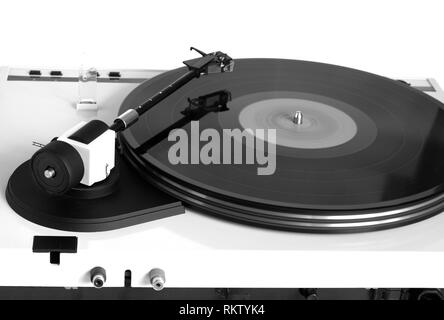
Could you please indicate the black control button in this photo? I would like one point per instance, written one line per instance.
(114, 75)
(35, 73)
(56, 73)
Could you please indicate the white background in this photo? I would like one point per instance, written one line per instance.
(394, 38)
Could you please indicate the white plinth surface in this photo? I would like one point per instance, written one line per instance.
(194, 250)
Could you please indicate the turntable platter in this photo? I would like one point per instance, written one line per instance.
(353, 151)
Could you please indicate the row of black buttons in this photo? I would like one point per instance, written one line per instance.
(57, 73)
(38, 73)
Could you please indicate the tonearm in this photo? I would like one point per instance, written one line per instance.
(85, 154)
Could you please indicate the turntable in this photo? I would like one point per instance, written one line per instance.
(325, 166)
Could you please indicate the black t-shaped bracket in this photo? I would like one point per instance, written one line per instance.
(55, 246)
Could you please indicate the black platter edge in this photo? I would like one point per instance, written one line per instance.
(286, 219)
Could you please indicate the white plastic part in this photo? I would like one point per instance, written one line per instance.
(87, 105)
(87, 89)
(98, 156)
(191, 244)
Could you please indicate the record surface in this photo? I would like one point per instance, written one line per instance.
(367, 154)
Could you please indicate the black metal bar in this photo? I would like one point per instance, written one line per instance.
(218, 60)
(158, 97)
(120, 125)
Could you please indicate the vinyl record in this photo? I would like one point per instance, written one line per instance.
(353, 151)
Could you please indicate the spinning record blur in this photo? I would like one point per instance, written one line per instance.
(354, 151)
